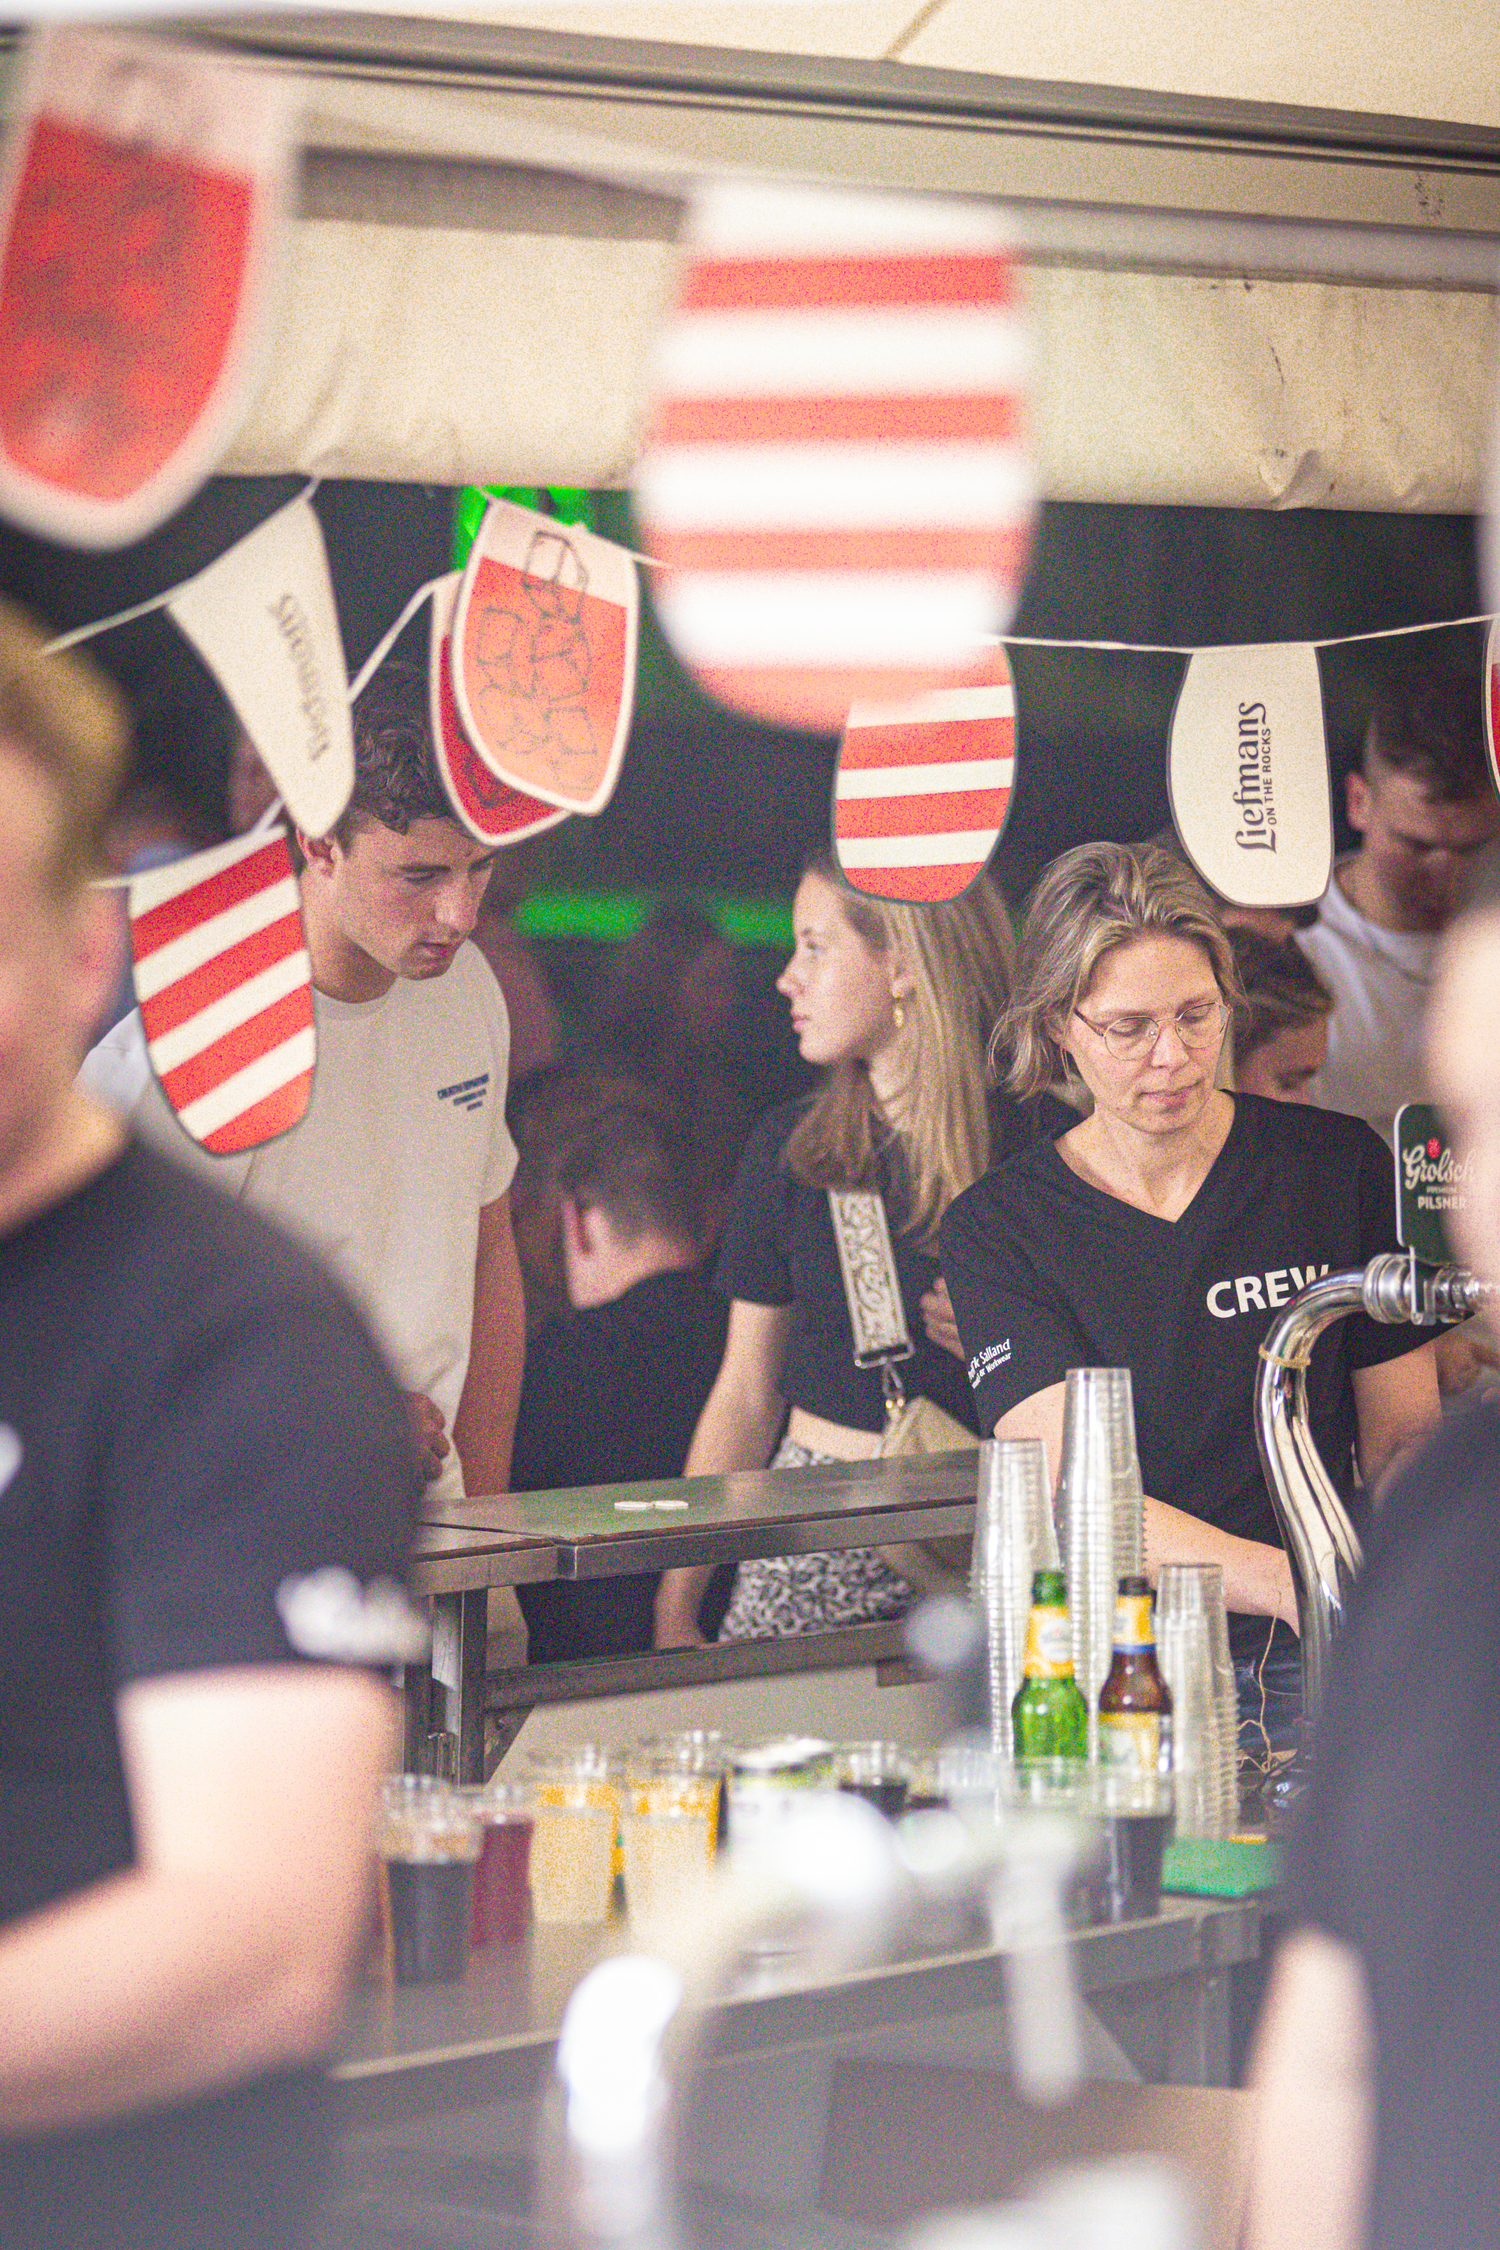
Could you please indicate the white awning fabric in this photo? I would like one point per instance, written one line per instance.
(1233, 307)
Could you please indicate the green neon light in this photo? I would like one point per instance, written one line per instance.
(568, 503)
(608, 917)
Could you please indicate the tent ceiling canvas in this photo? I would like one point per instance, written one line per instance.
(1235, 304)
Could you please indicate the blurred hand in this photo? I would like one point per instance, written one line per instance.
(428, 1435)
(1467, 1355)
(938, 1320)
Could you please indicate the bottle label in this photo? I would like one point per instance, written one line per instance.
(1130, 1741)
(1049, 1646)
(1133, 1621)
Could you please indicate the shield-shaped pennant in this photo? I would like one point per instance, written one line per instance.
(838, 480)
(142, 190)
(225, 990)
(544, 641)
(1491, 692)
(491, 810)
(923, 787)
(263, 619)
(1247, 773)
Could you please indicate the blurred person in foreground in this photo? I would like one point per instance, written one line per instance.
(615, 1384)
(206, 1494)
(1279, 1024)
(895, 1003)
(399, 1173)
(1424, 807)
(1378, 2068)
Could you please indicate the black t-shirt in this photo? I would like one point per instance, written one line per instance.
(778, 1248)
(191, 1417)
(612, 1395)
(1396, 1851)
(1047, 1273)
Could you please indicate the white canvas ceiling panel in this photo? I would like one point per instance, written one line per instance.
(440, 355)
(448, 355)
(1399, 58)
(865, 29)
(1255, 394)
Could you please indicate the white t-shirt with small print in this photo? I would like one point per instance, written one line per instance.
(403, 1143)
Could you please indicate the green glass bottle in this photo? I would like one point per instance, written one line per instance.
(1049, 1718)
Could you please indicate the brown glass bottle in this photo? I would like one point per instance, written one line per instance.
(1135, 1707)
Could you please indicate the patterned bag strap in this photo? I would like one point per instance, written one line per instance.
(872, 1288)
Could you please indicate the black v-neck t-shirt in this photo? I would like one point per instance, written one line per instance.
(1048, 1272)
(778, 1248)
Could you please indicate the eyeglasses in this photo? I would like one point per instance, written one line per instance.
(1130, 1038)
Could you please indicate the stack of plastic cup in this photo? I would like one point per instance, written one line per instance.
(1227, 1697)
(1130, 1505)
(1014, 1536)
(1187, 1598)
(1086, 1508)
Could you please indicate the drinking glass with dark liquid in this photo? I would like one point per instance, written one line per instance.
(880, 1772)
(429, 1844)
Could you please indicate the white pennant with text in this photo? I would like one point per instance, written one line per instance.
(263, 619)
(1247, 772)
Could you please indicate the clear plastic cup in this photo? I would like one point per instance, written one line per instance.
(668, 1828)
(506, 1810)
(575, 1822)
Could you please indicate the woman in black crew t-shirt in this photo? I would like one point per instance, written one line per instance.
(1165, 1231)
(896, 1003)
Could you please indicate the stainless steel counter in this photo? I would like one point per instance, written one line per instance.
(1162, 1985)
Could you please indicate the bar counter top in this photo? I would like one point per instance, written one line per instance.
(418, 2049)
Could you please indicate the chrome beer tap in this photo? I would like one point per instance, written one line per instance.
(1322, 1544)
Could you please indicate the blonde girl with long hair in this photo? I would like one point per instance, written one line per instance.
(895, 1003)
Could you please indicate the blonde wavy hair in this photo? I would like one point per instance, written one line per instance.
(1088, 903)
(958, 956)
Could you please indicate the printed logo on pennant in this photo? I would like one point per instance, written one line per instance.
(838, 480)
(544, 642)
(142, 189)
(263, 619)
(1491, 693)
(491, 810)
(923, 787)
(1247, 772)
(225, 990)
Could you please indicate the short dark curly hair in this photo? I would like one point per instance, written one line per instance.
(396, 778)
(1430, 725)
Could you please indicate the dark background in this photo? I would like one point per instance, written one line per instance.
(708, 801)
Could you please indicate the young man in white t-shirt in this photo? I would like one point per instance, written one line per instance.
(1424, 807)
(399, 1174)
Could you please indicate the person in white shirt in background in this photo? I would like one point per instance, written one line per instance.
(399, 1174)
(1424, 806)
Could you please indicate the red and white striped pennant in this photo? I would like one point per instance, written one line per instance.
(838, 481)
(225, 990)
(490, 809)
(923, 788)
